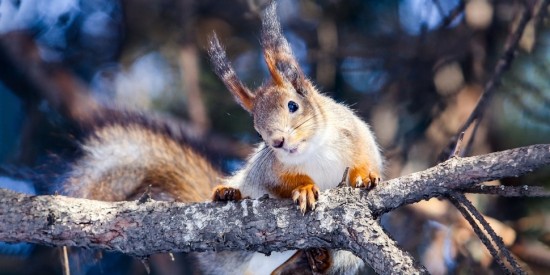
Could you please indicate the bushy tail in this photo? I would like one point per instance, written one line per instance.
(124, 153)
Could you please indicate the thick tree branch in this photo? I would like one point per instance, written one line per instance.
(143, 228)
(343, 218)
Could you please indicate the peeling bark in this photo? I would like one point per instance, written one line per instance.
(343, 218)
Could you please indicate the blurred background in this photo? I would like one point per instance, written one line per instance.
(413, 69)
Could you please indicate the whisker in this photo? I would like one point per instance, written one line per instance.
(266, 156)
(258, 152)
(303, 122)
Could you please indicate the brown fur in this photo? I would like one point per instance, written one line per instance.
(297, 264)
(307, 146)
(123, 153)
(173, 168)
(319, 259)
(224, 193)
(308, 261)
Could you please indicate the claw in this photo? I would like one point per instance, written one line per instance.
(362, 178)
(306, 197)
(225, 193)
(374, 180)
(295, 196)
(311, 200)
(303, 201)
(359, 182)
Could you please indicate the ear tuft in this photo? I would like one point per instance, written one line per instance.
(224, 70)
(280, 61)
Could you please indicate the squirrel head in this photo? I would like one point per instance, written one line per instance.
(283, 110)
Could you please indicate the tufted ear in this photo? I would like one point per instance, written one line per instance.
(280, 61)
(224, 70)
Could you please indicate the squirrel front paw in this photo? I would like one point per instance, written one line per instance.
(226, 193)
(306, 196)
(360, 177)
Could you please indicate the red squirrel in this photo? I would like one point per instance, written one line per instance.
(309, 141)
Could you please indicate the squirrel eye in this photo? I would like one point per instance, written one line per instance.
(292, 106)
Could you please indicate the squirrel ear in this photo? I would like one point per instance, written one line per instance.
(280, 61)
(224, 70)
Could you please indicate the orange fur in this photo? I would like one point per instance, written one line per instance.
(300, 187)
(290, 182)
(370, 178)
(317, 141)
(240, 91)
(271, 62)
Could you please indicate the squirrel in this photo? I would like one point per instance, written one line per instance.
(309, 141)
(124, 155)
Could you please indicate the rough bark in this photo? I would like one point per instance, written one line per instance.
(457, 173)
(343, 219)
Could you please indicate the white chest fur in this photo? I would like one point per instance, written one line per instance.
(325, 167)
(322, 160)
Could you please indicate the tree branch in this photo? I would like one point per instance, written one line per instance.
(343, 218)
(509, 191)
(141, 229)
(457, 173)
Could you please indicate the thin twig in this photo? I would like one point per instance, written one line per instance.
(453, 14)
(496, 238)
(454, 199)
(468, 147)
(464, 202)
(509, 191)
(456, 151)
(146, 264)
(502, 65)
(65, 261)
(344, 178)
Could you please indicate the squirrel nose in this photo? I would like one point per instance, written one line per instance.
(278, 142)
